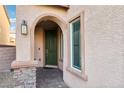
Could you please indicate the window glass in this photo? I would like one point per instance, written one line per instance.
(76, 44)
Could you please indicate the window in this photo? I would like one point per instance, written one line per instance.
(75, 43)
(76, 66)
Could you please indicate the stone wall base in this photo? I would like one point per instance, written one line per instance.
(25, 77)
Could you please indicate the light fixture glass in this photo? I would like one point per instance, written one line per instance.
(24, 28)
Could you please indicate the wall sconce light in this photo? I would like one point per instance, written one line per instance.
(24, 28)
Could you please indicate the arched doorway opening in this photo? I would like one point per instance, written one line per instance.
(48, 44)
(47, 23)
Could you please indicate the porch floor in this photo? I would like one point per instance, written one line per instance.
(49, 78)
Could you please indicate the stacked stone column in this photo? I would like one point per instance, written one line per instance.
(25, 77)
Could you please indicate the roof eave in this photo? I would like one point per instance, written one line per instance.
(64, 6)
(6, 13)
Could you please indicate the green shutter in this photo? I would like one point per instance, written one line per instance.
(76, 44)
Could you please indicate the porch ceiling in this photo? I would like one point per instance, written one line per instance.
(48, 25)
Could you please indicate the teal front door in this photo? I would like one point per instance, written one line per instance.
(51, 48)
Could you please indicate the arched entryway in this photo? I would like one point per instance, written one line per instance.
(48, 44)
(61, 24)
(48, 49)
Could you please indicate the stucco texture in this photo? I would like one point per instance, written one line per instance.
(32, 15)
(104, 46)
(103, 49)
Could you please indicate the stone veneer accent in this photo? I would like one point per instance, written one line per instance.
(25, 77)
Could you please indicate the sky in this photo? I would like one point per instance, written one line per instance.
(11, 10)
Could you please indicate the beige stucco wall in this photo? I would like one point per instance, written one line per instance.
(39, 43)
(103, 34)
(104, 46)
(4, 27)
(60, 62)
(31, 15)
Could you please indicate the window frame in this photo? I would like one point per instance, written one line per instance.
(72, 46)
(78, 73)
